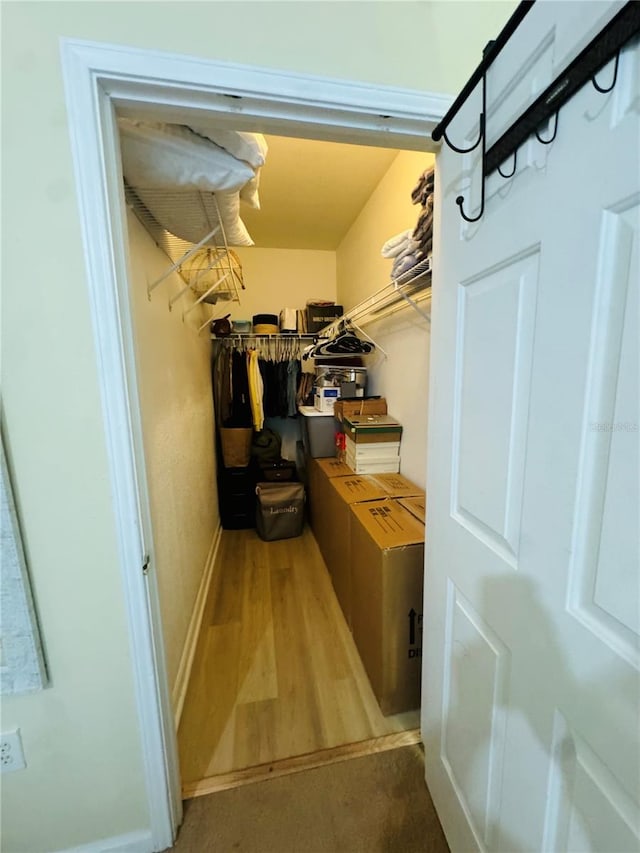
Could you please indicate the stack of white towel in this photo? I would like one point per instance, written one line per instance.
(404, 250)
(409, 248)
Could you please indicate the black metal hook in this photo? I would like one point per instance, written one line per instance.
(483, 139)
(515, 163)
(613, 82)
(475, 144)
(552, 137)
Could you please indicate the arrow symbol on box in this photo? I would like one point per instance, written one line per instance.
(412, 627)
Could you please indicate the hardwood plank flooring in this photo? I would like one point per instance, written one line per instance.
(276, 674)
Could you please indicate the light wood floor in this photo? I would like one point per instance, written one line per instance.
(276, 673)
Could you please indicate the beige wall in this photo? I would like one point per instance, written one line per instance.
(403, 376)
(283, 278)
(84, 777)
(174, 383)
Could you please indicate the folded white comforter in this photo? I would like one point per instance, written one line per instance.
(168, 165)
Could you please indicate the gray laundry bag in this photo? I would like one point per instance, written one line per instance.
(279, 510)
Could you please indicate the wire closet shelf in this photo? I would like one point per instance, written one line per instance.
(209, 268)
(412, 288)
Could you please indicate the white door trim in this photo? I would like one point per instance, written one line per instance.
(98, 78)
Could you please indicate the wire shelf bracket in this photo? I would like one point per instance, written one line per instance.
(197, 213)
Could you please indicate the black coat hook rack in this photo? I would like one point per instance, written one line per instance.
(604, 47)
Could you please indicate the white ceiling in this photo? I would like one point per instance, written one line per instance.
(311, 192)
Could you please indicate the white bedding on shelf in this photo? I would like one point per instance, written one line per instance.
(250, 147)
(191, 216)
(174, 172)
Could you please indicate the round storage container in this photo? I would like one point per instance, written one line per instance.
(265, 324)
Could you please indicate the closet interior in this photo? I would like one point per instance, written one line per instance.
(280, 296)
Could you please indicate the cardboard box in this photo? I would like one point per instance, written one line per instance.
(347, 408)
(319, 316)
(387, 563)
(336, 539)
(397, 486)
(417, 506)
(372, 428)
(319, 473)
(334, 467)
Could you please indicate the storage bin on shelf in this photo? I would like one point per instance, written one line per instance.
(318, 432)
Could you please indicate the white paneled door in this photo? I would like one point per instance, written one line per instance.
(531, 655)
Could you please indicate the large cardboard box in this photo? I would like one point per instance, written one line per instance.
(387, 562)
(397, 486)
(417, 506)
(319, 472)
(336, 547)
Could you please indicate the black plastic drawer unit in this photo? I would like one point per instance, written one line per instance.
(237, 498)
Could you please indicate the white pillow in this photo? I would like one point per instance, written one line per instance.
(249, 192)
(250, 147)
(168, 156)
(235, 229)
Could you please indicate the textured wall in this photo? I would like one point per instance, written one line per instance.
(283, 278)
(174, 382)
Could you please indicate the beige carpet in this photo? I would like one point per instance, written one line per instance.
(375, 804)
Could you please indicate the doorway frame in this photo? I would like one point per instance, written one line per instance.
(98, 80)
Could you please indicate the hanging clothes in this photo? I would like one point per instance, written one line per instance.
(293, 374)
(241, 415)
(266, 379)
(221, 376)
(269, 371)
(256, 390)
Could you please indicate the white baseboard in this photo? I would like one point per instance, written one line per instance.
(131, 842)
(186, 661)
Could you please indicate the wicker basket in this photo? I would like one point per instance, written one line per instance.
(210, 266)
(236, 446)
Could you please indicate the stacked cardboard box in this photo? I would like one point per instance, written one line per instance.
(344, 493)
(319, 473)
(417, 506)
(370, 530)
(372, 443)
(387, 567)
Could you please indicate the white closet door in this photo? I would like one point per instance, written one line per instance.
(531, 656)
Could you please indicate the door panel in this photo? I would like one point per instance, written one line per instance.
(477, 668)
(530, 689)
(496, 312)
(582, 789)
(606, 552)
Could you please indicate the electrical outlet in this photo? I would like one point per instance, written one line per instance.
(11, 754)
